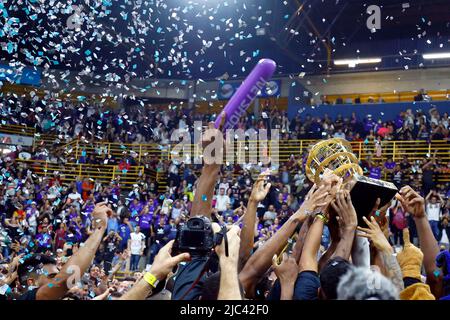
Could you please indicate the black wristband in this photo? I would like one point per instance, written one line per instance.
(408, 281)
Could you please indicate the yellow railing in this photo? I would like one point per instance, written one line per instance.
(17, 129)
(106, 173)
(100, 149)
(415, 150)
(286, 148)
(70, 171)
(38, 138)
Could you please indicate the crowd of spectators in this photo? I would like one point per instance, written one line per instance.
(56, 218)
(95, 122)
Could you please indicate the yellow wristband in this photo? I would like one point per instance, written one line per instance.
(151, 279)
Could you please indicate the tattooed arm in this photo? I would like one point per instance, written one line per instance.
(379, 241)
(394, 272)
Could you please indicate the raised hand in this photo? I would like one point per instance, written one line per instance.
(208, 139)
(380, 213)
(164, 262)
(234, 242)
(375, 235)
(411, 202)
(343, 206)
(315, 200)
(260, 191)
(287, 270)
(100, 215)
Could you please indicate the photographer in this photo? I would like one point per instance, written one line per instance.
(111, 243)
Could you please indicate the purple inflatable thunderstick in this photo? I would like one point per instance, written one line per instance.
(247, 92)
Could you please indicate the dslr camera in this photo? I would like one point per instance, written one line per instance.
(197, 237)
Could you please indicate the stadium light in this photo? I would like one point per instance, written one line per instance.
(353, 62)
(444, 55)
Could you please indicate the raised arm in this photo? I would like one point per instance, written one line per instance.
(381, 244)
(80, 261)
(206, 183)
(229, 281)
(259, 192)
(261, 260)
(308, 259)
(441, 201)
(427, 198)
(348, 222)
(298, 246)
(287, 272)
(161, 267)
(122, 258)
(413, 203)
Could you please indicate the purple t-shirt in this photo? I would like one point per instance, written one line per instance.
(145, 221)
(135, 209)
(390, 165)
(375, 173)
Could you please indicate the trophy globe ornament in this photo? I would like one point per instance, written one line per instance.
(333, 154)
(337, 156)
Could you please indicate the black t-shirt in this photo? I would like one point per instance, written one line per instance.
(405, 165)
(427, 176)
(161, 232)
(186, 276)
(29, 295)
(111, 245)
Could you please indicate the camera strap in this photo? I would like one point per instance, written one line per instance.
(225, 238)
(206, 267)
(197, 280)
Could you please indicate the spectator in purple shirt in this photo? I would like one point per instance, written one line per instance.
(375, 172)
(136, 207)
(44, 240)
(390, 164)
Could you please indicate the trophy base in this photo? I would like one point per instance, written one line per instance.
(365, 192)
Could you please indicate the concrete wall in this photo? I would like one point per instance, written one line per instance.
(364, 82)
(382, 81)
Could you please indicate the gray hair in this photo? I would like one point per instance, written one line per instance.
(360, 283)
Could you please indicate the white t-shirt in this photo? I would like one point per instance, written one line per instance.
(433, 211)
(224, 185)
(74, 196)
(32, 220)
(136, 242)
(221, 202)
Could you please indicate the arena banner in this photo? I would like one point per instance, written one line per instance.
(28, 76)
(227, 89)
(13, 139)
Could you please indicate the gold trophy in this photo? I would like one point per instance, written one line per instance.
(337, 155)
